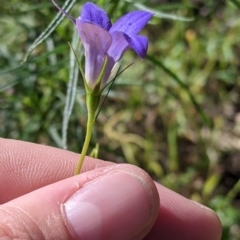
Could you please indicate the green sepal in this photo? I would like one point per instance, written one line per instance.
(110, 84)
(93, 95)
(97, 88)
(92, 101)
(79, 65)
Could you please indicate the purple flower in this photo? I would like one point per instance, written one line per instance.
(103, 41)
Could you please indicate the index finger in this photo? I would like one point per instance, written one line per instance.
(25, 167)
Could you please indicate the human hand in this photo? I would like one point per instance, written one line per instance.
(42, 200)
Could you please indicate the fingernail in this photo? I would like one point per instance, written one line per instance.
(114, 206)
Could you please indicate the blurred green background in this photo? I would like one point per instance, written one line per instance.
(176, 114)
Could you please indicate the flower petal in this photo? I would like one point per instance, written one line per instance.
(131, 23)
(93, 14)
(139, 44)
(118, 47)
(96, 42)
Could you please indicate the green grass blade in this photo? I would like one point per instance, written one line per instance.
(7, 85)
(184, 86)
(51, 27)
(71, 90)
(235, 2)
(161, 14)
(55, 135)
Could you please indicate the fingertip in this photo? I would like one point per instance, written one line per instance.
(214, 228)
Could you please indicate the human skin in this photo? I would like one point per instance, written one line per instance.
(38, 193)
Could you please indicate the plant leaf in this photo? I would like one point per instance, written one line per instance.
(51, 27)
(71, 89)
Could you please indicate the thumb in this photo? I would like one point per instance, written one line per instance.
(114, 202)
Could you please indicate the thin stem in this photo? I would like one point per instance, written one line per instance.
(92, 101)
(64, 12)
(90, 123)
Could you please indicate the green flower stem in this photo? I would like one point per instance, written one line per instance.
(92, 101)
